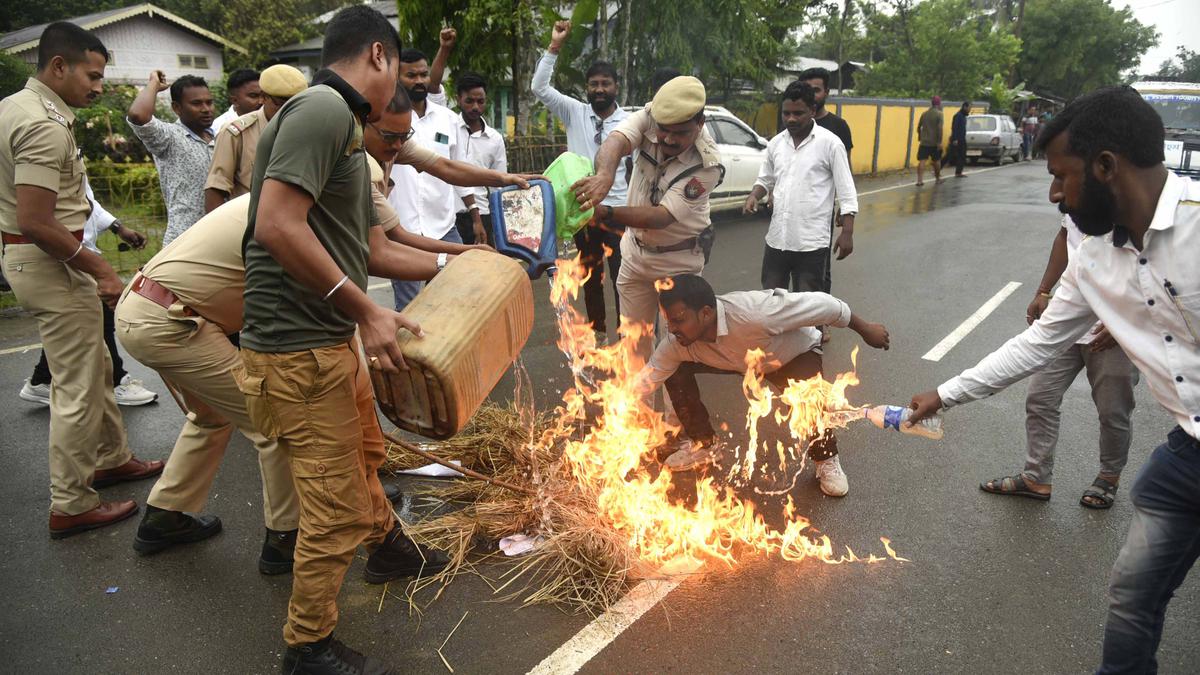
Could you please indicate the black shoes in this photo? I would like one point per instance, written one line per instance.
(161, 529)
(398, 557)
(393, 492)
(331, 657)
(277, 552)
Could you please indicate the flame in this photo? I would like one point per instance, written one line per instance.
(664, 284)
(608, 457)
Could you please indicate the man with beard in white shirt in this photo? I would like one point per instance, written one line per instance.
(1137, 274)
(427, 205)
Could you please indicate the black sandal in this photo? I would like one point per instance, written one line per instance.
(1014, 486)
(1104, 492)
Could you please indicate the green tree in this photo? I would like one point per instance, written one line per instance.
(13, 73)
(1185, 67)
(942, 47)
(1074, 46)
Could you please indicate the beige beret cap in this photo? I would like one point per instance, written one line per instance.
(678, 100)
(282, 81)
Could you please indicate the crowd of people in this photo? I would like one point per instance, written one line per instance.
(256, 317)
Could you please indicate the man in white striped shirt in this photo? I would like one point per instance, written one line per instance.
(807, 170)
(1138, 275)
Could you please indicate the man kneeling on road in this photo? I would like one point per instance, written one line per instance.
(711, 334)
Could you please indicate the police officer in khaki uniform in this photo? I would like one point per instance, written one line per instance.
(233, 155)
(43, 209)
(676, 168)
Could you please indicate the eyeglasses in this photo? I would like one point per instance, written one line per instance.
(391, 137)
(599, 130)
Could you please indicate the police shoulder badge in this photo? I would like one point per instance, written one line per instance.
(694, 189)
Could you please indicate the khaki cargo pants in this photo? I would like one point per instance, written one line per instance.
(320, 406)
(86, 429)
(198, 362)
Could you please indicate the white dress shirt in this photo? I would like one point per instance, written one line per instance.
(1149, 300)
(581, 123)
(1074, 238)
(483, 148)
(223, 119)
(98, 220)
(427, 205)
(780, 323)
(805, 181)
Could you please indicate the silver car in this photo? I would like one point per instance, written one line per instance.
(992, 137)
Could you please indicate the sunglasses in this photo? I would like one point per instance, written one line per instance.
(599, 130)
(390, 137)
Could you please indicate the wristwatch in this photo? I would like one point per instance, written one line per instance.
(441, 261)
(114, 226)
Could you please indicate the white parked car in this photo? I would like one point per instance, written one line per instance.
(992, 137)
(742, 153)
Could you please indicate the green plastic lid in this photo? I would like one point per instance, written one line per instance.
(563, 172)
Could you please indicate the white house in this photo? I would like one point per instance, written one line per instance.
(140, 39)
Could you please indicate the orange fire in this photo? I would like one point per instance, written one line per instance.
(611, 456)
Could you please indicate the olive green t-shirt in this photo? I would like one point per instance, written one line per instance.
(315, 143)
(929, 127)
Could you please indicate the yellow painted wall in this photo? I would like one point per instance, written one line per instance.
(861, 118)
(893, 138)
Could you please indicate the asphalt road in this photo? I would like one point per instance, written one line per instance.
(994, 584)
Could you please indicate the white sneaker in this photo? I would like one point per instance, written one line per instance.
(692, 455)
(35, 393)
(831, 477)
(131, 392)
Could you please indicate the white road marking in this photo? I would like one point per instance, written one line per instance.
(580, 649)
(20, 350)
(940, 349)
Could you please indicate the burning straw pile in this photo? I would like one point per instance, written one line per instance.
(584, 481)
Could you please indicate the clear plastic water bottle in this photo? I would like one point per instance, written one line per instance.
(894, 417)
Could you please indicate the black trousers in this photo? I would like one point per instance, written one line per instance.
(590, 241)
(956, 153)
(466, 229)
(685, 396)
(796, 270)
(41, 372)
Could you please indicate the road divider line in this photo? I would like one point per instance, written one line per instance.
(942, 348)
(597, 635)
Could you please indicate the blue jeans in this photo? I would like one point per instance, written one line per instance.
(404, 291)
(1162, 544)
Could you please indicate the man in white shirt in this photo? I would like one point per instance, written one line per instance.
(1137, 274)
(1112, 378)
(588, 125)
(712, 334)
(806, 168)
(482, 146)
(427, 205)
(245, 96)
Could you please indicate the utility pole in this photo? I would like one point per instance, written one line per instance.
(1012, 74)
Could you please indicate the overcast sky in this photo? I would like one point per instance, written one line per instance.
(1177, 23)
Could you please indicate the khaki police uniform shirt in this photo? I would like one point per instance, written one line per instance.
(203, 267)
(37, 147)
(687, 199)
(233, 156)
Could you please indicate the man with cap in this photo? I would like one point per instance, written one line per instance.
(929, 138)
(233, 157)
(43, 210)
(666, 222)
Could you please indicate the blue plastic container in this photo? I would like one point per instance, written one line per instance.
(523, 225)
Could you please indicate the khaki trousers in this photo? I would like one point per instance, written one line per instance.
(635, 284)
(320, 406)
(86, 430)
(197, 361)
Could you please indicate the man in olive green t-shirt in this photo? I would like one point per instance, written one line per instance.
(307, 259)
(929, 139)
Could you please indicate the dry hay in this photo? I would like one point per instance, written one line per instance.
(582, 564)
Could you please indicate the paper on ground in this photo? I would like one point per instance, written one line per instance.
(434, 470)
(519, 544)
